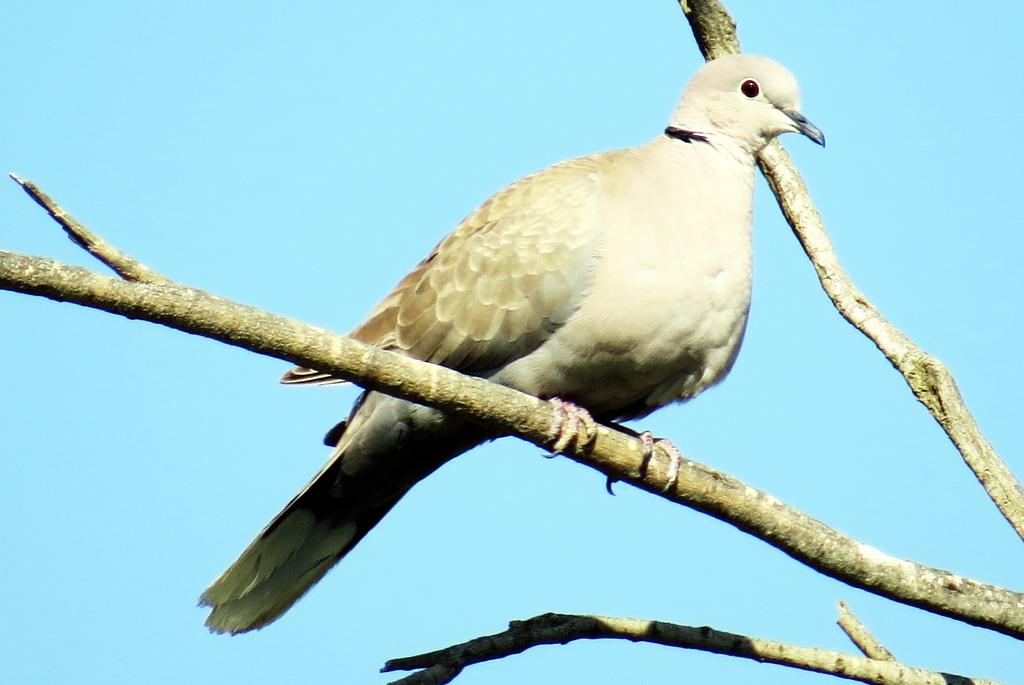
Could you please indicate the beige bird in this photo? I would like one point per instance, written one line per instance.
(619, 282)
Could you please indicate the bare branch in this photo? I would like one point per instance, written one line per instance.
(126, 267)
(615, 453)
(861, 636)
(442, 666)
(929, 379)
(713, 27)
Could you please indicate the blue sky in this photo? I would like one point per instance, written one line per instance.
(302, 160)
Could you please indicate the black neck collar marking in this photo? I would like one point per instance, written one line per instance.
(685, 136)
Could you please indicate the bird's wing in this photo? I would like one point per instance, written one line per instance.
(495, 288)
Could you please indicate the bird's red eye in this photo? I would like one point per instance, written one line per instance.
(750, 88)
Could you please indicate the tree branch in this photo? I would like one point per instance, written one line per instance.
(124, 266)
(929, 379)
(443, 665)
(861, 636)
(613, 452)
(714, 29)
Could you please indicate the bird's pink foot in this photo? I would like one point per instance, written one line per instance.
(571, 425)
(675, 458)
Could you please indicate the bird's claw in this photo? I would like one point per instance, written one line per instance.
(675, 458)
(647, 451)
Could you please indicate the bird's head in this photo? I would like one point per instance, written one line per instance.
(746, 98)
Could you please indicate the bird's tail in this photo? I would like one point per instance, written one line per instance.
(388, 446)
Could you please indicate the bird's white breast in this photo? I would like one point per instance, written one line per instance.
(667, 301)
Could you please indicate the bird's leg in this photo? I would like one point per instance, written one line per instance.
(571, 425)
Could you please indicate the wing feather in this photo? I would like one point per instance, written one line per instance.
(502, 282)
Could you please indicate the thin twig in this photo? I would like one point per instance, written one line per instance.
(613, 453)
(443, 665)
(929, 379)
(126, 267)
(861, 636)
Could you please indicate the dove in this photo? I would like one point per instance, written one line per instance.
(617, 283)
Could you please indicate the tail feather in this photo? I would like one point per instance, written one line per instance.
(277, 569)
(335, 510)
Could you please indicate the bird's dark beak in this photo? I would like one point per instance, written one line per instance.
(805, 127)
